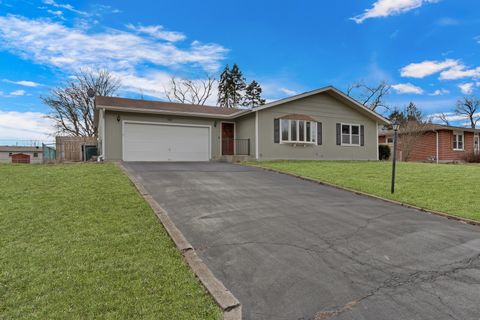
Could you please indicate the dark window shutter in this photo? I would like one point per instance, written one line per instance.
(319, 133)
(339, 134)
(276, 130)
(362, 135)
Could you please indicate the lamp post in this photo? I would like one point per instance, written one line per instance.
(395, 126)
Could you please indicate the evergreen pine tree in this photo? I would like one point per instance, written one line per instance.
(224, 85)
(412, 113)
(253, 96)
(237, 86)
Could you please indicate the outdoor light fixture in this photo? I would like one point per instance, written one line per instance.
(395, 126)
(118, 117)
(91, 93)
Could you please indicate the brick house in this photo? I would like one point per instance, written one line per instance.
(438, 143)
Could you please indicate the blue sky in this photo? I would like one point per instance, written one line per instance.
(426, 49)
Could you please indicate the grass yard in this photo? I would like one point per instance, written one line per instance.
(78, 242)
(453, 189)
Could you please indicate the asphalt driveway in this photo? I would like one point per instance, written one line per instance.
(293, 249)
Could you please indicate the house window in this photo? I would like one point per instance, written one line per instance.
(350, 134)
(390, 140)
(458, 141)
(35, 154)
(293, 130)
(285, 131)
(298, 131)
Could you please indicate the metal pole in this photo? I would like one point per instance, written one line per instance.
(394, 160)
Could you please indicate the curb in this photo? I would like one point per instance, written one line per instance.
(231, 307)
(438, 213)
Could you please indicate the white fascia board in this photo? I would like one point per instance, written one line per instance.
(165, 112)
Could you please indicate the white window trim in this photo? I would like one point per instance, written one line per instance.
(359, 135)
(290, 141)
(459, 133)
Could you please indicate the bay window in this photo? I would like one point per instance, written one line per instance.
(298, 131)
(351, 134)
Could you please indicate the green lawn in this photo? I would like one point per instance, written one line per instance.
(78, 242)
(454, 189)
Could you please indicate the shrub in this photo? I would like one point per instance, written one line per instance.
(472, 157)
(383, 152)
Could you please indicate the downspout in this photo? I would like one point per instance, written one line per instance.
(376, 125)
(436, 157)
(256, 135)
(102, 119)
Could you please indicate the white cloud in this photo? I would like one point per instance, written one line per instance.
(385, 8)
(55, 44)
(57, 13)
(426, 68)
(439, 92)
(449, 69)
(17, 93)
(24, 83)
(466, 88)
(451, 116)
(403, 88)
(69, 49)
(458, 72)
(287, 91)
(25, 125)
(158, 32)
(65, 6)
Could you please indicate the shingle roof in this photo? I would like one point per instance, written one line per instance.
(433, 127)
(163, 106)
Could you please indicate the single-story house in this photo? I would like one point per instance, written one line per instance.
(439, 143)
(20, 154)
(323, 124)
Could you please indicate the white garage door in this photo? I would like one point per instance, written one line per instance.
(165, 142)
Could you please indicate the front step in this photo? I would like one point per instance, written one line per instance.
(233, 159)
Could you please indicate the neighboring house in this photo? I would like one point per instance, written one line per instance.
(15, 154)
(438, 143)
(323, 124)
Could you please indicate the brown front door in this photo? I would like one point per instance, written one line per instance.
(227, 138)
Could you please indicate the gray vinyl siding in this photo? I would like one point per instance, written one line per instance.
(113, 130)
(245, 129)
(327, 110)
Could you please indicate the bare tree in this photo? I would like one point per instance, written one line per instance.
(72, 109)
(470, 108)
(443, 118)
(370, 96)
(409, 135)
(190, 91)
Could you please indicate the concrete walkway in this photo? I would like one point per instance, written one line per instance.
(293, 249)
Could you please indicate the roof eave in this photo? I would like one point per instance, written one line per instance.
(173, 113)
(370, 113)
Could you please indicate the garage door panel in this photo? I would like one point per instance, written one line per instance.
(162, 142)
